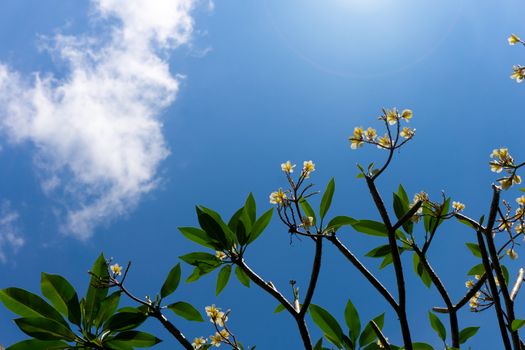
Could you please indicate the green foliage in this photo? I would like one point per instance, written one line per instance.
(96, 322)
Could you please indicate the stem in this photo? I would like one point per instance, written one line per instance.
(364, 271)
(270, 289)
(315, 275)
(156, 313)
(494, 290)
(509, 304)
(454, 327)
(380, 335)
(396, 260)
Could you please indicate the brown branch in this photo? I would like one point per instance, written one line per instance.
(454, 327)
(314, 276)
(396, 260)
(270, 289)
(494, 290)
(364, 271)
(380, 335)
(509, 304)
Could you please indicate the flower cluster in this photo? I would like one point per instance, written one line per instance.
(280, 197)
(502, 160)
(222, 333)
(513, 39)
(391, 117)
(482, 299)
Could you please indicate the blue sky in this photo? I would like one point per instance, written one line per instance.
(119, 140)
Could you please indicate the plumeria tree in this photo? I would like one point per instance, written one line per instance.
(408, 227)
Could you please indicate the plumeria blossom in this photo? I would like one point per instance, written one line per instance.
(216, 339)
(357, 138)
(518, 73)
(512, 253)
(384, 142)
(278, 197)
(458, 206)
(521, 200)
(287, 167)
(116, 269)
(406, 115)
(392, 116)
(216, 315)
(370, 134)
(308, 168)
(469, 284)
(407, 132)
(502, 159)
(513, 39)
(198, 342)
(220, 255)
(474, 301)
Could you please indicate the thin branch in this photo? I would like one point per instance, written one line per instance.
(364, 271)
(409, 214)
(314, 276)
(380, 335)
(270, 289)
(156, 313)
(494, 290)
(396, 260)
(509, 305)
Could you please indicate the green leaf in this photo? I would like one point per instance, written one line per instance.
(222, 278)
(137, 339)
(201, 259)
(198, 272)
(474, 249)
(250, 208)
(200, 237)
(242, 276)
(326, 201)
(369, 335)
(44, 329)
(27, 304)
(97, 290)
(338, 222)
(388, 259)
(401, 207)
(352, 320)
(517, 324)
(35, 344)
(279, 308)
(211, 222)
(467, 333)
(307, 209)
(62, 296)
(379, 252)
(328, 324)
(107, 308)
(438, 326)
(124, 321)
(421, 271)
(186, 311)
(421, 346)
(259, 225)
(234, 220)
(478, 269)
(117, 345)
(172, 281)
(370, 227)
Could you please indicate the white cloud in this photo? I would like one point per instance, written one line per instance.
(97, 130)
(10, 236)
